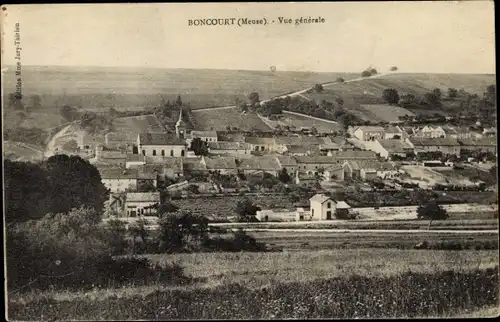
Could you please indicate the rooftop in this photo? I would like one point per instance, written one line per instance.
(435, 142)
(321, 198)
(396, 146)
(354, 155)
(315, 159)
(478, 142)
(199, 134)
(260, 163)
(259, 140)
(118, 173)
(143, 197)
(160, 139)
(220, 163)
(286, 161)
(370, 128)
(228, 145)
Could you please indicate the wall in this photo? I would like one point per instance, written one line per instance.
(178, 151)
(120, 185)
(138, 207)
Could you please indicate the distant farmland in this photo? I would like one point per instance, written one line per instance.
(132, 125)
(220, 119)
(383, 113)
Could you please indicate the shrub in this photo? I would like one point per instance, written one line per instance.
(431, 210)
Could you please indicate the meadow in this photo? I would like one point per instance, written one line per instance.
(313, 284)
(220, 119)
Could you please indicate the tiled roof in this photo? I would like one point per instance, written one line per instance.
(370, 164)
(371, 128)
(315, 159)
(478, 142)
(259, 140)
(297, 149)
(228, 145)
(435, 142)
(112, 155)
(395, 146)
(286, 161)
(321, 198)
(393, 129)
(160, 139)
(118, 173)
(260, 163)
(220, 163)
(198, 134)
(143, 196)
(342, 205)
(194, 164)
(354, 155)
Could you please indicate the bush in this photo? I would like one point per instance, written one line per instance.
(73, 251)
(390, 95)
(431, 210)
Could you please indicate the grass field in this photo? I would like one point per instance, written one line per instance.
(135, 124)
(220, 119)
(298, 121)
(312, 284)
(383, 113)
(337, 240)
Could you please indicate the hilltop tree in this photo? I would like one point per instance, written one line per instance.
(366, 73)
(452, 93)
(390, 95)
(393, 69)
(253, 98)
(340, 80)
(373, 71)
(178, 101)
(318, 88)
(199, 147)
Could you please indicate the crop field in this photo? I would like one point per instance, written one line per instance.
(313, 284)
(133, 125)
(298, 121)
(220, 119)
(144, 87)
(305, 240)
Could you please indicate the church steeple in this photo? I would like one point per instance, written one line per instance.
(180, 128)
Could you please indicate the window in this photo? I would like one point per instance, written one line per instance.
(154, 152)
(144, 152)
(171, 153)
(162, 153)
(182, 153)
(312, 212)
(329, 205)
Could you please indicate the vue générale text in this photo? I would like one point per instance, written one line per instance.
(254, 21)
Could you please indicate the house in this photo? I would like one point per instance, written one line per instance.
(229, 148)
(106, 156)
(119, 179)
(261, 144)
(297, 150)
(488, 144)
(395, 132)
(161, 144)
(390, 148)
(367, 133)
(341, 156)
(314, 164)
(322, 207)
(223, 164)
(171, 167)
(288, 163)
(142, 203)
(311, 142)
(430, 132)
(370, 169)
(205, 136)
(267, 164)
(444, 145)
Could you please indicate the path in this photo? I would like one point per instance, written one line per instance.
(392, 231)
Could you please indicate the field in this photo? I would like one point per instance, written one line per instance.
(312, 284)
(144, 87)
(383, 113)
(287, 119)
(220, 119)
(310, 240)
(134, 124)
(21, 152)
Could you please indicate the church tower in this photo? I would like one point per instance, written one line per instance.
(180, 126)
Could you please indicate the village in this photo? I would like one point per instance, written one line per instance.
(188, 163)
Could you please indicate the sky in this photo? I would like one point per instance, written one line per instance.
(438, 37)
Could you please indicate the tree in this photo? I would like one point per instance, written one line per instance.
(145, 186)
(74, 182)
(393, 69)
(432, 99)
(373, 71)
(366, 73)
(178, 101)
(318, 88)
(452, 93)
(246, 210)
(182, 231)
(166, 208)
(390, 95)
(431, 210)
(437, 92)
(340, 80)
(284, 176)
(199, 147)
(253, 98)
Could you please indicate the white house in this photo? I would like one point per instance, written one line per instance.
(118, 179)
(205, 136)
(141, 203)
(391, 147)
(367, 133)
(161, 144)
(322, 207)
(431, 132)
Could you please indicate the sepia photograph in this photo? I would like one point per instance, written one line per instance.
(215, 161)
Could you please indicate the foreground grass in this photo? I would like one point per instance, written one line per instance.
(408, 294)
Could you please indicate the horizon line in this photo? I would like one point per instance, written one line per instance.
(242, 69)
